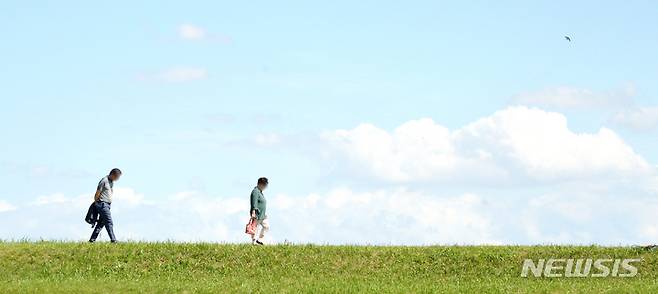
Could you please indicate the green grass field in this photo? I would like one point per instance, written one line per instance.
(178, 268)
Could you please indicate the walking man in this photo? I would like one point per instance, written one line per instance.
(257, 211)
(103, 200)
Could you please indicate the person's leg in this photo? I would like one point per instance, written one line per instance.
(104, 220)
(253, 236)
(265, 226)
(97, 230)
(257, 229)
(99, 225)
(107, 221)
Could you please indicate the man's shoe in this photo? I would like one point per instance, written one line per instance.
(114, 241)
(92, 241)
(259, 242)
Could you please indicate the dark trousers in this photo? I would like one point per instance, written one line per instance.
(104, 220)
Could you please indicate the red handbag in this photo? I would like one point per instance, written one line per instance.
(250, 229)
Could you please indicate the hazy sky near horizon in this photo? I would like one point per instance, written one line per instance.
(383, 122)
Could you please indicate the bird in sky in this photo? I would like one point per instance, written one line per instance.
(568, 38)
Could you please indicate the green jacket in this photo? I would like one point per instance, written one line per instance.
(258, 203)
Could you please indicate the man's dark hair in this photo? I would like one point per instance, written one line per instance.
(262, 181)
(115, 171)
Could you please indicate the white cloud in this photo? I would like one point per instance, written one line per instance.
(340, 216)
(651, 231)
(576, 217)
(185, 216)
(6, 206)
(515, 143)
(391, 216)
(416, 150)
(191, 32)
(557, 186)
(568, 97)
(51, 199)
(128, 196)
(642, 118)
(345, 216)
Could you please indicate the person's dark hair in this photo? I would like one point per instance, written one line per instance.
(115, 171)
(262, 181)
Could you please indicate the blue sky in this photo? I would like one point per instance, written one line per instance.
(200, 98)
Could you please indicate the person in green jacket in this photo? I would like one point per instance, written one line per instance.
(257, 211)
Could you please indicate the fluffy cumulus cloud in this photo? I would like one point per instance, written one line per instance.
(396, 216)
(641, 118)
(512, 144)
(345, 216)
(569, 97)
(517, 176)
(339, 216)
(183, 216)
(590, 218)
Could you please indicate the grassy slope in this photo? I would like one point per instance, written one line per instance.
(168, 267)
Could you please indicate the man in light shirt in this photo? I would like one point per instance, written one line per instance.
(103, 201)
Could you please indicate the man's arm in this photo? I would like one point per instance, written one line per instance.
(97, 196)
(254, 201)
